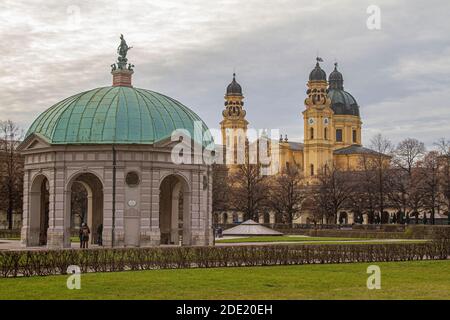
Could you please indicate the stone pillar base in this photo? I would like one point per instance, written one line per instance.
(24, 239)
(150, 237)
(118, 237)
(200, 237)
(55, 239)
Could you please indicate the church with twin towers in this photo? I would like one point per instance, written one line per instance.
(332, 129)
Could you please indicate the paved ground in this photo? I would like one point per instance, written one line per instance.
(315, 242)
(15, 244)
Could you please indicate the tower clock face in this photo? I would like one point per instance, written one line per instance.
(311, 121)
(326, 121)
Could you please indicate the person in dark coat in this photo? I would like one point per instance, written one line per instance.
(84, 235)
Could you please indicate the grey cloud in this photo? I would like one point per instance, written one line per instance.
(188, 50)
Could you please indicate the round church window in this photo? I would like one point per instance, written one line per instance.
(132, 179)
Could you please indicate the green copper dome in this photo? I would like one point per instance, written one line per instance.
(118, 114)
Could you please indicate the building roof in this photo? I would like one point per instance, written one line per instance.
(355, 149)
(335, 79)
(234, 88)
(317, 74)
(116, 114)
(297, 146)
(251, 228)
(342, 102)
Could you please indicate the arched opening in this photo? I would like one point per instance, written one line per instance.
(225, 218)
(174, 211)
(343, 218)
(39, 210)
(384, 217)
(85, 201)
(311, 133)
(266, 217)
(325, 134)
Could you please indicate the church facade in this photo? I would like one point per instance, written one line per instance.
(332, 130)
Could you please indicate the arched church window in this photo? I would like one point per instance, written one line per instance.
(325, 134)
(354, 135)
(311, 133)
(312, 169)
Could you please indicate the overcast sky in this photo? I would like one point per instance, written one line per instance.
(400, 74)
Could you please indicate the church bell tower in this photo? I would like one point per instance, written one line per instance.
(318, 124)
(234, 125)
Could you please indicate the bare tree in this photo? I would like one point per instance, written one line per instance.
(444, 164)
(404, 180)
(248, 190)
(407, 153)
(11, 169)
(334, 192)
(287, 194)
(380, 164)
(365, 198)
(220, 192)
(430, 171)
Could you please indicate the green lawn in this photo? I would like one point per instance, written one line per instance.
(318, 240)
(399, 280)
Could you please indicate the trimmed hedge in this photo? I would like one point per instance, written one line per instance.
(52, 262)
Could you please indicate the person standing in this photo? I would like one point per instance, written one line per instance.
(85, 232)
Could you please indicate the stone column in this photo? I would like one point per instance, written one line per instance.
(25, 231)
(365, 219)
(196, 231)
(174, 219)
(107, 208)
(146, 203)
(154, 233)
(350, 217)
(58, 234)
(119, 232)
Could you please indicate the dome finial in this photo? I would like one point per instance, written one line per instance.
(336, 80)
(317, 74)
(234, 88)
(120, 71)
(318, 59)
(122, 51)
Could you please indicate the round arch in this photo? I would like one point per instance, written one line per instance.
(38, 210)
(174, 210)
(93, 212)
(180, 176)
(73, 177)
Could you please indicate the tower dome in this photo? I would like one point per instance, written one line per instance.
(335, 79)
(342, 102)
(234, 88)
(317, 74)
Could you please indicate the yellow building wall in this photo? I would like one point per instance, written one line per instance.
(347, 124)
